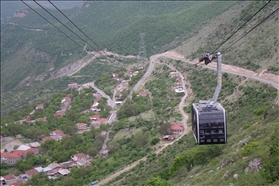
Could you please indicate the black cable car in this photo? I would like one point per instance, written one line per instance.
(209, 124)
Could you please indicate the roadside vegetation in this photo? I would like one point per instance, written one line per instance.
(252, 120)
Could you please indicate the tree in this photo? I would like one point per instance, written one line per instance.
(140, 139)
(92, 151)
(165, 129)
(156, 181)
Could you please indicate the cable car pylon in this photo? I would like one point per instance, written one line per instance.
(209, 124)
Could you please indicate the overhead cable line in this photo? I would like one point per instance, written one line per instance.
(76, 26)
(251, 29)
(242, 26)
(51, 24)
(62, 23)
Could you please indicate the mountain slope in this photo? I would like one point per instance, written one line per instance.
(112, 25)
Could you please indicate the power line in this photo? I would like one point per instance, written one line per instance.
(61, 23)
(76, 26)
(51, 23)
(242, 26)
(251, 30)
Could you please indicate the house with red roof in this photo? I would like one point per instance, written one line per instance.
(79, 156)
(47, 138)
(81, 126)
(129, 74)
(73, 85)
(40, 106)
(63, 107)
(31, 172)
(102, 120)
(81, 159)
(94, 117)
(9, 158)
(41, 119)
(97, 99)
(9, 179)
(57, 133)
(59, 113)
(177, 129)
(66, 101)
(143, 94)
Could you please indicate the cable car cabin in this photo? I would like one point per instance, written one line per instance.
(209, 123)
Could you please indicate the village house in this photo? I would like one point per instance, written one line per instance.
(94, 117)
(81, 159)
(63, 108)
(97, 98)
(9, 158)
(41, 119)
(9, 179)
(47, 138)
(116, 77)
(57, 133)
(34, 144)
(67, 164)
(66, 101)
(79, 156)
(63, 172)
(30, 173)
(59, 113)
(40, 106)
(129, 74)
(142, 94)
(101, 120)
(81, 127)
(177, 129)
(20, 153)
(73, 85)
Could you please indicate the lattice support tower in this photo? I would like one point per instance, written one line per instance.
(142, 51)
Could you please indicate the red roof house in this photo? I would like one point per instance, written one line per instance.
(143, 94)
(57, 133)
(102, 120)
(9, 158)
(47, 138)
(31, 172)
(9, 179)
(79, 156)
(59, 113)
(41, 119)
(81, 126)
(177, 128)
(97, 99)
(73, 85)
(40, 106)
(94, 117)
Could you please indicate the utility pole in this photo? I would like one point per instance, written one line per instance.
(142, 51)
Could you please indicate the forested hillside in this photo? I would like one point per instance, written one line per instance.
(31, 46)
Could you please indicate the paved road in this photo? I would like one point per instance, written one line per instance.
(111, 103)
